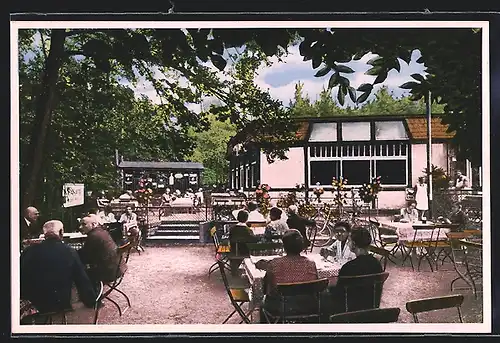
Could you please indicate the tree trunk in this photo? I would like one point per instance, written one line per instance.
(43, 116)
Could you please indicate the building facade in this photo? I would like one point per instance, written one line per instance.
(356, 148)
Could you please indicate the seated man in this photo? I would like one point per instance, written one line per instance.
(295, 221)
(99, 252)
(48, 271)
(238, 236)
(276, 227)
(409, 214)
(107, 215)
(363, 264)
(253, 214)
(341, 247)
(288, 269)
(129, 221)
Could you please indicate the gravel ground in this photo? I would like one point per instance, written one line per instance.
(170, 285)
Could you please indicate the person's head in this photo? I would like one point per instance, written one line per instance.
(53, 229)
(242, 216)
(293, 242)
(252, 206)
(457, 207)
(360, 240)
(421, 179)
(341, 231)
(129, 210)
(167, 191)
(293, 209)
(88, 223)
(275, 213)
(411, 205)
(32, 214)
(459, 173)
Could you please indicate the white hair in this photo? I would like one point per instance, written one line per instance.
(53, 227)
(293, 208)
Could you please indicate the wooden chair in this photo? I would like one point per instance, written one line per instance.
(420, 246)
(287, 291)
(383, 240)
(436, 303)
(112, 286)
(383, 253)
(354, 286)
(219, 255)
(237, 296)
(375, 315)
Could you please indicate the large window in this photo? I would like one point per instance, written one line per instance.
(359, 162)
(323, 132)
(324, 172)
(356, 131)
(390, 130)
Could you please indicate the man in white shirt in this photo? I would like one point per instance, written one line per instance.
(253, 214)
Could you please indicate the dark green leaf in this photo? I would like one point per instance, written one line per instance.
(373, 71)
(307, 58)
(103, 65)
(365, 87)
(409, 85)
(405, 55)
(333, 80)
(352, 93)
(359, 55)
(376, 61)
(341, 96)
(344, 69)
(216, 46)
(420, 59)
(396, 65)
(380, 78)
(344, 81)
(218, 61)
(418, 77)
(316, 61)
(323, 71)
(305, 48)
(363, 97)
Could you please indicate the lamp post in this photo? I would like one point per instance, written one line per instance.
(428, 103)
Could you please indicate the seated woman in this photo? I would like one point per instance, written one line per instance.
(341, 247)
(410, 213)
(238, 236)
(287, 269)
(276, 227)
(363, 264)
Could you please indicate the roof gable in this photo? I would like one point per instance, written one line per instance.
(417, 128)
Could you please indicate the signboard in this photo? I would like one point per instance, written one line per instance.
(73, 194)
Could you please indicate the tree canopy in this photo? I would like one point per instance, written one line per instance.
(165, 57)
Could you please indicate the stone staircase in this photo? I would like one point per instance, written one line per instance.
(179, 231)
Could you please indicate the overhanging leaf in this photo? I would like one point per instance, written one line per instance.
(316, 61)
(380, 78)
(363, 97)
(352, 93)
(333, 80)
(323, 71)
(373, 71)
(418, 77)
(409, 85)
(344, 69)
(365, 87)
(341, 96)
(376, 61)
(218, 61)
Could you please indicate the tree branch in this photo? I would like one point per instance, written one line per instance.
(43, 45)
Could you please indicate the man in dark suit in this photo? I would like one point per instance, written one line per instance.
(49, 270)
(295, 221)
(99, 252)
(238, 236)
(29, 223)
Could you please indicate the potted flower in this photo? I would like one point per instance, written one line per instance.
(263, 198)
(318, 191)
(369, 191)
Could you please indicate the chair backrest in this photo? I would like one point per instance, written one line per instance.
(215, 238)
(124, 252)
(302, 288)
(256, 223)
(370, 286)
(375, 315)
(258, 248)
(381, 252)
(435, 303)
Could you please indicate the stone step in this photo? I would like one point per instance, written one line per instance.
(173, 239)
(176, 232)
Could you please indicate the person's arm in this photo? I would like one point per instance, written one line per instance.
(83, 284)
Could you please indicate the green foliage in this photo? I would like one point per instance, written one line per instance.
(384, 103)
(440, 180)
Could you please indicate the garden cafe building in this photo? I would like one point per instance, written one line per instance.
(173, 175)
(356, 148)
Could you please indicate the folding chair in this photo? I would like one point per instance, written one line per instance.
(382, 241)
(220, 252)
(237, 296)
(419, 246)
(473, 263)
(287, 291)
(361, 288)
(374, 315)
(383, 253)
(436, 303)
(124, 254)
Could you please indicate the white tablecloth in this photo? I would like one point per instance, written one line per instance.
(406, 231)
(326, 269)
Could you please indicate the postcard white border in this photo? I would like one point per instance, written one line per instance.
(484, 327)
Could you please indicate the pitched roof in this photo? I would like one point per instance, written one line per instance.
(418, 128)
(160, 165)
